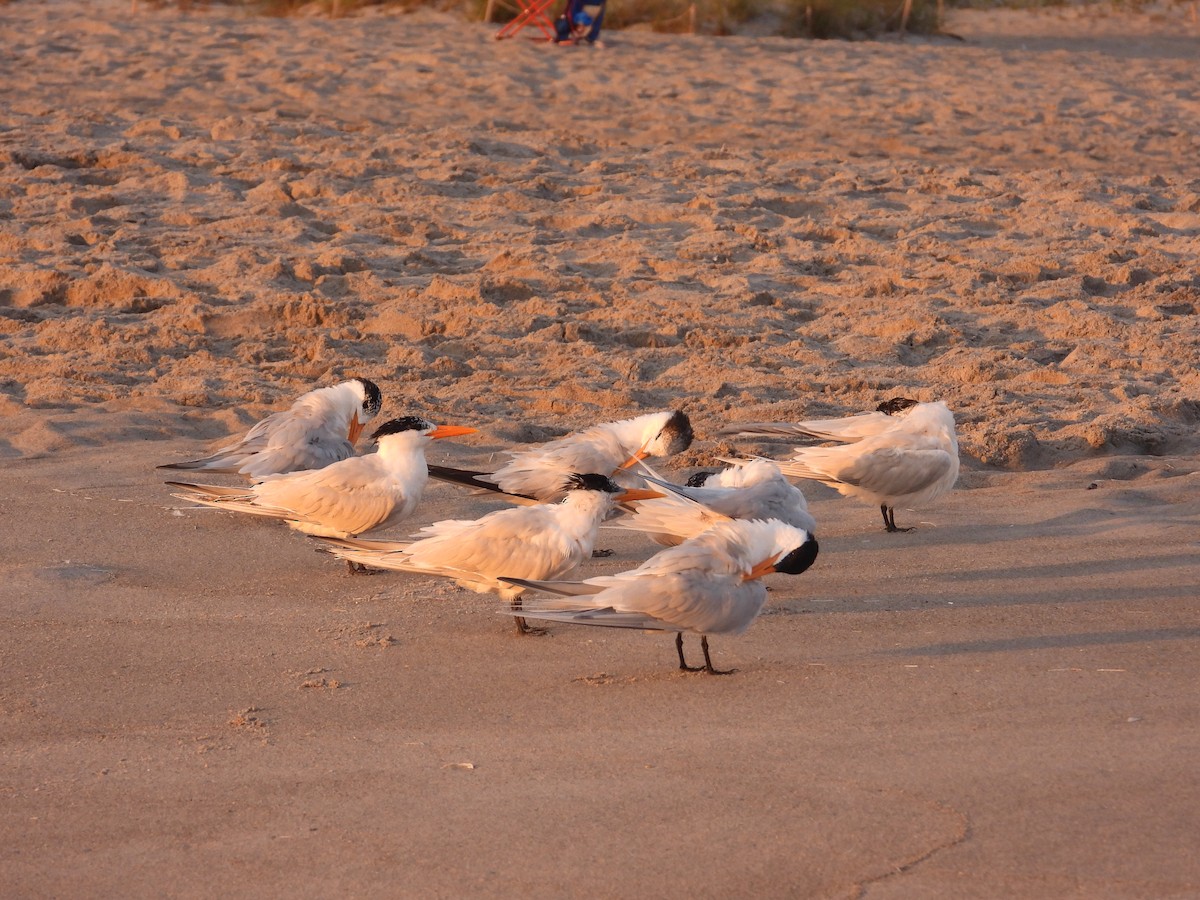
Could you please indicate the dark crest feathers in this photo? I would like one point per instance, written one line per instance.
(592, 482)
(896, 405)
(679, 427)
(373, 399)
(404, 423)
(798, 560)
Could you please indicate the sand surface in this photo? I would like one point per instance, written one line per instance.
(203, 215)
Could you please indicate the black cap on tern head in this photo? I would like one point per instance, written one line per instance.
(678, 433)
(592, 482)
(373, 397)
(896, 405)
(798, 560)
(404, 423)
(697, 479)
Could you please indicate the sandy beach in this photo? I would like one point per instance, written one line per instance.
(204, 214)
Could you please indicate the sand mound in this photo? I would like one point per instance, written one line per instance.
(242, 207)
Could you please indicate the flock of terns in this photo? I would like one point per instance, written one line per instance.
(722, 531)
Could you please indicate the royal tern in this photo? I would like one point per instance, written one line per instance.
(320, 428)
(751, 489)
(539, 473)
(911, 462)
(706, 585)
(345, 498)
(543, 541)
(844, 430)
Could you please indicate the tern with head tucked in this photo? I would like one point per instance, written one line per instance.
(903, 454)
(320, 428)
(542, 541)
(707, 585)
(345, 498)
(539, 473)
(748, 489)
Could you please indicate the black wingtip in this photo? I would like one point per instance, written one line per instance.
(462, 476)
(471, 479)
(517, 582)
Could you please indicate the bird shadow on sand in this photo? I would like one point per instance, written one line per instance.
(1081, 568)
(1052, 642)
(1080, 523)
(893, 603)
(1056, 578)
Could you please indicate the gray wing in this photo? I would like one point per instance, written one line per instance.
(845, 430)
(886, 471)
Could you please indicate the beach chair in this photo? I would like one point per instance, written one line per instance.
(535, 12)
(579, 23)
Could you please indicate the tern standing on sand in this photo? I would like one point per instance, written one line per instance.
(707, 585)
(903, 454)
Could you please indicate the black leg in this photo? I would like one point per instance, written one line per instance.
(679, 649)
(708, 666)
(522, 627)
(889, 523)
(889, 520)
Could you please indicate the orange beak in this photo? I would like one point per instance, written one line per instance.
(443, 431)
(356, 428)
(634, 460)
(766, 567)
(637, 494)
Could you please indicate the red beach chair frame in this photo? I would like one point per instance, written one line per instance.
(531, 11)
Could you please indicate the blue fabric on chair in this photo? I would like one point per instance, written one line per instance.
(580, 21)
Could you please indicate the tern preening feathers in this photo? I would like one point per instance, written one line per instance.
(320, 428)
(345, 498)
(543, 541)
(541, 472)
(751, 489)
(706, 585)
(904, 454)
